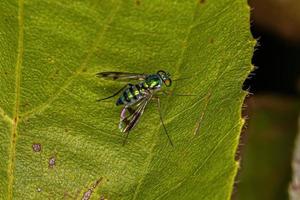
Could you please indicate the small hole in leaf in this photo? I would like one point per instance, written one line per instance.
(52, 162)
(87, 195)
(36, 147)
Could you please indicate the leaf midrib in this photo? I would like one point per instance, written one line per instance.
(155, 137)
(15, 118)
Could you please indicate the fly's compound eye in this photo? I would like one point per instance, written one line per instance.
(168, 82)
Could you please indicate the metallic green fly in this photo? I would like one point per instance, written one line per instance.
(135, 97)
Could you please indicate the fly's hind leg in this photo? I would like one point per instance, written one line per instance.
(161, 120)
(122, 118)
(115, 93)
(125, 138)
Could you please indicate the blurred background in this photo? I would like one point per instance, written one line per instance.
(269, 162)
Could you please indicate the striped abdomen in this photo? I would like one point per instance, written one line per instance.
(132, 94)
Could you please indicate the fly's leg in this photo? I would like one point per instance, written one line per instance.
(125, 139)
(169, 93)
(172, 94)
(113, 94)
(162, 122)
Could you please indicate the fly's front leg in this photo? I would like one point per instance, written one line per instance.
(170, 93)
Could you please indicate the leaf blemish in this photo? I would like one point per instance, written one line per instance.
(52, 162)
(36, 147)
(15, 120)
(102, 197)
(138, 2)
(25, 105)
(87, 195)
(200, 119)
(51, 60)
(202, 1)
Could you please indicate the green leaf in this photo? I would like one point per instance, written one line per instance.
(50, 53)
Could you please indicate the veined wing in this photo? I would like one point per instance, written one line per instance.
(131, 115)
(121, 76)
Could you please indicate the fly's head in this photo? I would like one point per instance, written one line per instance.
(165, 77)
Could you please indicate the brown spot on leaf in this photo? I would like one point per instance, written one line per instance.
(202, 1)
(211, 40)
(137, 2)
(25, 104)
(36, 147)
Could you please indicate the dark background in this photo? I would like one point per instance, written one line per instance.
(272, 110)
(277, 62)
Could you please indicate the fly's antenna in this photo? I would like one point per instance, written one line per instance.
(180, 79)
(184, 95)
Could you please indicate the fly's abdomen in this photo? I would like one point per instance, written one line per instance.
(130, 95)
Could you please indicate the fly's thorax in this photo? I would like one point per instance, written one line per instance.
(153, 82)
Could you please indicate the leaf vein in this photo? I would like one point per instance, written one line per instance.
(178, 65)
(14, 132)
(77, 72)
(201, 166)
(5, 116)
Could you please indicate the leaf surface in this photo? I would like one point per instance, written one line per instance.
(58, 142)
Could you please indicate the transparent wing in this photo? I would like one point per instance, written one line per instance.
(121, 76)
(131, 115)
